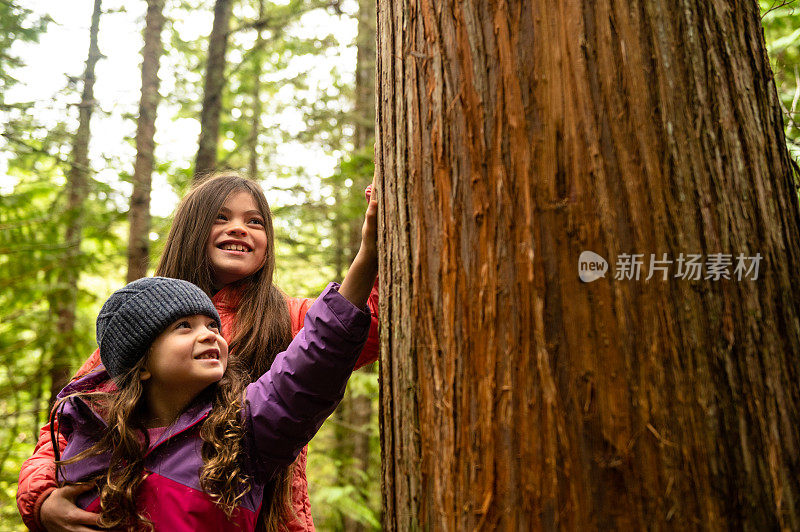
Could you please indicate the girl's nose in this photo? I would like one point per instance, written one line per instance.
(237, 229)
(206, 335)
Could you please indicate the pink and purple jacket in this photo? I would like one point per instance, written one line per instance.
(283, 410)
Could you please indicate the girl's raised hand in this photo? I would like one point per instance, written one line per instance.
(369, 234)
(360, 278)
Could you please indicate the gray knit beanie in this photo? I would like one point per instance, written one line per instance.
(137, 313)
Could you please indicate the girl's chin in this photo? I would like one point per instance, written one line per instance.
(229, 277)
(215, 376)
(208, 386)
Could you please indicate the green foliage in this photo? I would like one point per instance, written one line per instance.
(332, 496)
(307, 209)
(17, 24)
(781, 21)
(31, 253)
(32, 218)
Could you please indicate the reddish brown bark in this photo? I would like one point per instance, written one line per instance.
(139, 213)
(512, 136)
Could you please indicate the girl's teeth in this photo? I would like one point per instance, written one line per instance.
(234, 247)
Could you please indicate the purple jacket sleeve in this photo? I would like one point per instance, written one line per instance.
(287, 405)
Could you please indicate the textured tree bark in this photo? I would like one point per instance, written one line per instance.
(139, 213)
(511, 137)
(64, 298)
(212, 90)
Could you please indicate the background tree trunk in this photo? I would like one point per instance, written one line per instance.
(139, 213)
(212, 93)
(364, 109)
(357, 408)
(512, 137)
(364, 122)
(64, 298)
(255, 119)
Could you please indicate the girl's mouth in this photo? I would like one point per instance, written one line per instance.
(235, 247)
(211, 354)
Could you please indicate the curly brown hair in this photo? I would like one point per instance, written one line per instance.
(127, 441)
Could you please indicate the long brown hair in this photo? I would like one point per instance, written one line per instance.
(127, 441)
(262, 327)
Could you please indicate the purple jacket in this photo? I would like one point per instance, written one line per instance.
(283, 410)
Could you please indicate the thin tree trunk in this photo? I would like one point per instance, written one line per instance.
(255, 119)
(513, 136)
(358, 408)
(64, 298)
(212, 92)
(364, 110)
(359, 416)
(364, 130)
(139, 213)
(37, 395)
(341, 237)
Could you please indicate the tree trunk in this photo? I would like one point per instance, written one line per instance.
(341, 238)
(364, 131)
(359, 414)
(64, 299)
(364, 110)
(139, 213)
(358, 411)
(212, 90)
(513, 136)
(255, 119)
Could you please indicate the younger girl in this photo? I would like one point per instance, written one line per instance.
(175, 445)
(221, 239)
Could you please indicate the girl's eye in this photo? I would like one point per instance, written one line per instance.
(183, 324)
(221, 217)
(213, 327)
(258, 221)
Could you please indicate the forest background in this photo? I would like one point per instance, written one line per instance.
(297, 112)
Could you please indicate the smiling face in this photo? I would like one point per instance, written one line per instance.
(188, 356)
(237, 243)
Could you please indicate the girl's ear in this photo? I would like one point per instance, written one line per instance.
(144, 373)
